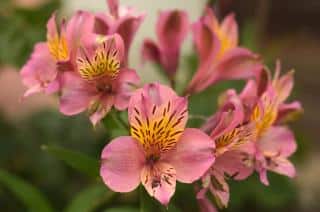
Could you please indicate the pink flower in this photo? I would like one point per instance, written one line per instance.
(100, 81)
(172, 28)
(220, 58)
(160, 149)
(43, 71)
(273, 144)
(231, 138)
(124, 21)
(277, 89)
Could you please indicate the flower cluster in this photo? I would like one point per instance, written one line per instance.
(85, 62)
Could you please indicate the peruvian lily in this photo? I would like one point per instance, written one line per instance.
(124, 21)
(100, 81)
(172, 28)
(160, 149)
(281, 87)
(231, 138)
(49, 60)
(220, 58)
(273, 143)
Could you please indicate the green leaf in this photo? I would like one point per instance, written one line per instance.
(25, 192)
(76, 160)
(90, 198)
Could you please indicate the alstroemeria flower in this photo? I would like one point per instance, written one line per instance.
(172, 28)
(220, 58)
(230, 138)
(281, 87)
(100, 82)
(160, 149)
(43, 71)
(273, 143)
(124, 21)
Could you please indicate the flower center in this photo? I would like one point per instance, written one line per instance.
(159, 131)
(225, 41)
(233, 139)
(264, 115)
(103, 63)
(104, 87)
(58, 47)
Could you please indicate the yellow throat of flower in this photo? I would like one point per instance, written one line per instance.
(58, 47)
(104, 63)
(234, 139)
(160, 131)
(264, 115)
(225, 41)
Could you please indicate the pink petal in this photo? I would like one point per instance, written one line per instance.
(150, 51)
(121, 164)
(232, 163)
(238, 63)
(220, 189)
(263, 80)
(229, 28)
(113, 7)
(33, 90)
(144, 98)
(288, 112)
(263, 177)
(284, 167)
(278, 141)
(127, 28)
(210, 19)
(52, 26)
(159, 181)
(205, 204)
(208, 46)
(78, 28)
(206, 42)
(110, 43)
(39, 71)
(250, 90)
(76, 95)
(229, 116)
(172, 28)
(124, 86)
(192, 156)
(284, 86)
(102, 24)
(249, 97)
(106, 103)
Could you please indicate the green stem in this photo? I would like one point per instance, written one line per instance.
(141, 198)
(195, 116)
(172, 82)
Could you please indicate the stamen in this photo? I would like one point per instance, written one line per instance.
(58, 48)
(264, 115)
(104, 63)
(160, 131)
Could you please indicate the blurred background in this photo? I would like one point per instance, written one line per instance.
(32, 177)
